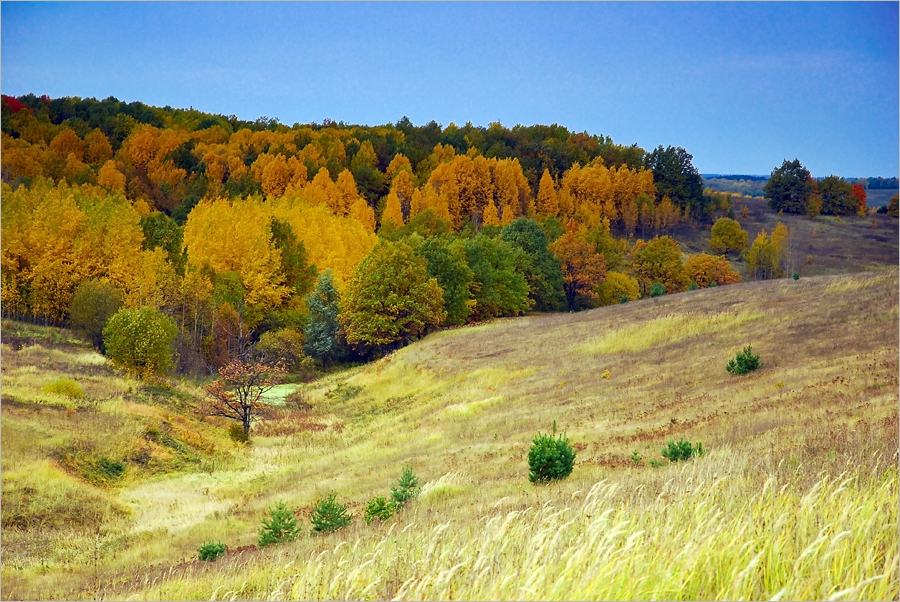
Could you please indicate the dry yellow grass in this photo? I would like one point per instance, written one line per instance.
(796, 499)
(665, 331)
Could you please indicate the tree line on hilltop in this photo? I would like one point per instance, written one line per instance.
(324, 243)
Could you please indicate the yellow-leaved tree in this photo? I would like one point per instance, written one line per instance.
(547, 202)
(392, 213)
(234, 236)
(332, 242)
(762, 259)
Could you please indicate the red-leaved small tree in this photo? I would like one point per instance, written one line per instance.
(238, 391)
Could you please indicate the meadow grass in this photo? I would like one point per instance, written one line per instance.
(712, 532)
(796, 499)
(665, 331)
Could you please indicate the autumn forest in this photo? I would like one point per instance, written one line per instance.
(326, 243)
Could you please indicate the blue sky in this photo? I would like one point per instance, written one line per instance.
(741, 86)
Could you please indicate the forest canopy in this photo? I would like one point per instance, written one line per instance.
(245, 231)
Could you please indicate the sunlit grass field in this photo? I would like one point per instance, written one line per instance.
(797, 497)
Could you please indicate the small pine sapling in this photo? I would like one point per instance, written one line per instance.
(550, 458)
(380, 508)
(676, 451)
(743, 362)
(211, 550)
(282, 526)
(406, 489)
(329, 515)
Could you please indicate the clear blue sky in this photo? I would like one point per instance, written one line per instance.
(741, 86)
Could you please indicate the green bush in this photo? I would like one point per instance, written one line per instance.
(743, 362)
(211, 550)
(328, 515)
(282, 526)
(93, 303)
(657, 290)
(65, 387)
(380, 508)
(140, 340)
(550, 458)
(407, 487)
(109, 470)
(285, 347)
(676, 451)
(237, 434)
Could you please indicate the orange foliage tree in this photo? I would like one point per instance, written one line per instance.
(237, 393)
(705, 269)
(859, 193)
(583, 268)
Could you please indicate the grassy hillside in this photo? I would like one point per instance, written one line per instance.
(797, 496)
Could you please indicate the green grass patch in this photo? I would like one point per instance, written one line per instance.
(65, 387)
(666, 331)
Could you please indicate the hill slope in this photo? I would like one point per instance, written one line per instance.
(797, 496)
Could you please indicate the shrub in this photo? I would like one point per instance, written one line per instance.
(285, 347)
(705, 269)
(550, 458)
(616, 287)
(282, 526)
(380, 508)
(65, 387)
(140, 340)
(93, 303)
(328, 515)
(636, 457)
(109, 470)
(211, 550)
(407, 487)
(676, 451)
(743, 362)
(237, 434)
(657, 290)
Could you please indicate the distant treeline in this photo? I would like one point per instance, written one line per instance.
(881, 183)
(743, 185)
(538, 147)
(749, 185)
